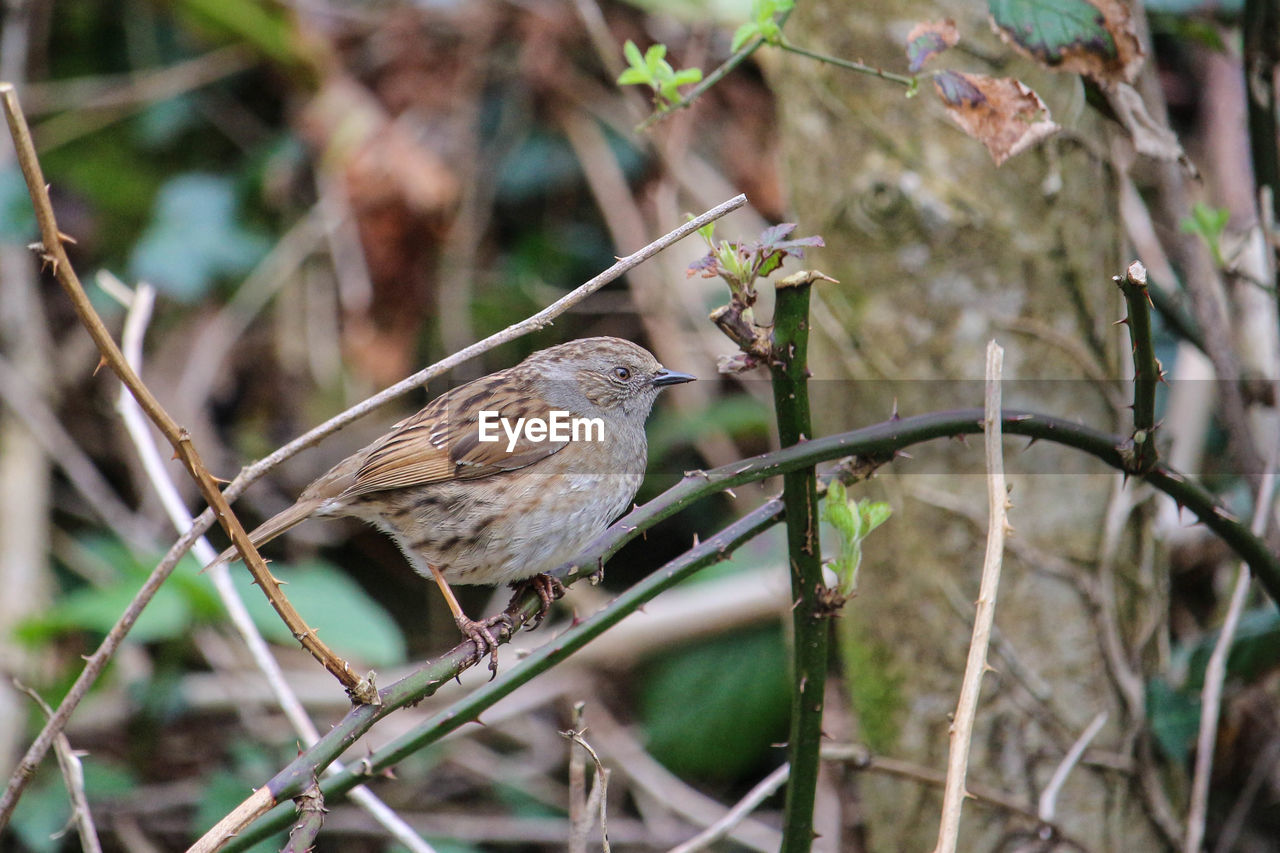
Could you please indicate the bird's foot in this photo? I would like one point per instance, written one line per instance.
(482, 634)
(547, 588)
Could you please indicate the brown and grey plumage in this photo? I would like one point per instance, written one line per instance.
(467, 511)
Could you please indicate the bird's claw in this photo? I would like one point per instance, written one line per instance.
(486, 642)
(547, 588)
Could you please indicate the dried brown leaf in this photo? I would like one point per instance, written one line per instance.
(1000, 112)
(927, 39)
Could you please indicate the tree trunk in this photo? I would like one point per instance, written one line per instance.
(939, 251)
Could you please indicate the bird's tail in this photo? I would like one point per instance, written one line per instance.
(271, 528)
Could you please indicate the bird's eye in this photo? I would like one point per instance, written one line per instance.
(622, 373)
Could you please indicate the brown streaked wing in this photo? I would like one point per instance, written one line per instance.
(441, 442)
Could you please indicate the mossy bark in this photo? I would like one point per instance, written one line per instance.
(938, 251)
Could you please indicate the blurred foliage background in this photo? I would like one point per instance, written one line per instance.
(329, 195)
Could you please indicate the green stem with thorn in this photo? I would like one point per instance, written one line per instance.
(810, 611)
(1146, 368)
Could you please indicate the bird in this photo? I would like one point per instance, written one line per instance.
(504, 478)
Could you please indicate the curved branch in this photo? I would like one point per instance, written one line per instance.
(294, 778)
(874, 444)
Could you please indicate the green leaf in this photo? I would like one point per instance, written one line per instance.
(686, 76)
(1051, 29)
(635, 77)
(1255, 648)
(743, 34)
(1208, 223)
(1174, 717)
(17, 218)
(170, 615)
(853, 522)
(341, 612)
(873, 514)
(715, 710)
(97, 609)
(41, 815)
(837, 512)
(268, 28)
(654, 56)
(632, 53)
(195, 238)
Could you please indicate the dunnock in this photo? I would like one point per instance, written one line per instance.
(504, 478)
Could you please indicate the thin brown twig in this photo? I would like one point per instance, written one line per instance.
(598, 798)
(98, 660)
(579, 824)
(532, 323)
(763, 790)
(1049, 796)
(1215, 675)
(92, 105)
(139, 304)
(61, 447)
(73, 776)
(860, 758)
(976, 666)
(54, 253)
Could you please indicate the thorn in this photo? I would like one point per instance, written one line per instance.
(1124, 321)
(102, 362)
(893, 414)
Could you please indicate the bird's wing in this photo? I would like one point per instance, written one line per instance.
(442, 442)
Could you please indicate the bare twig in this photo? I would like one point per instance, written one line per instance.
(579, 823)
(763, 790)
(96, 662)
(860, 758)
(100, 102)
(1049, 796)
(537, 321)
(136, 320)
(218, 337)
(49, 433)
(649, 777)
(1215, 674)
(599, 789)
(73, 776)
(998, 525)
(54, 254)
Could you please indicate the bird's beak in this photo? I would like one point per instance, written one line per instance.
(670, 377)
